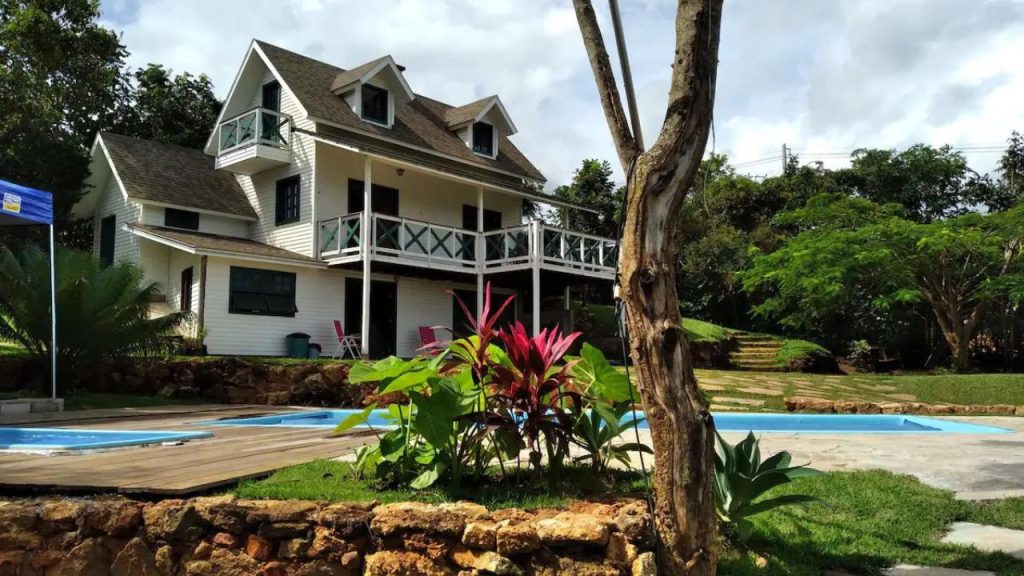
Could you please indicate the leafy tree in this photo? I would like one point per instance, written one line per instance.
(177, 110)
(852, 254)
(592, 186)
(931, 183)
(60, 81)
(1010, 190)
(103, 310)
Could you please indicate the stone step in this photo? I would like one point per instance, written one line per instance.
(753, 361)
(753, 354)
(759, 368)
(762, 344)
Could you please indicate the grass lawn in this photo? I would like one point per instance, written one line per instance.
(94, 400)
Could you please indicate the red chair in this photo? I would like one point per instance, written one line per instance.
(429, 343)
(346, 344)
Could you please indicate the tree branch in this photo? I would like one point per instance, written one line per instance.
(611, 102)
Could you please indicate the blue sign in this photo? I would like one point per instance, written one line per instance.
(29, 204)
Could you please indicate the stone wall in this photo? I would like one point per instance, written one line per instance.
(815, 405)
(222, 536)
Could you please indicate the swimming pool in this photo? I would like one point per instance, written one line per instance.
(725, 422)
(47, 439)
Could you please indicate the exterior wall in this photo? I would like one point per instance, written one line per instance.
(112, 202)
(319, 297)
(420, 303)
(208, 223)
(420, 196)
(176, 263)
(153, 258)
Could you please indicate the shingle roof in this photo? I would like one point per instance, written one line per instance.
(174, 175)
(349, 76)
(463, 114)
(204, 242)
(421, 123)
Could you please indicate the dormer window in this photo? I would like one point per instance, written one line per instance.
(483, 139)
(375, 104)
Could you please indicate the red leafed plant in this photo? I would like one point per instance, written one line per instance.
(473, 351)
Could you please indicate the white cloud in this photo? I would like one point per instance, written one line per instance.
(819, 76)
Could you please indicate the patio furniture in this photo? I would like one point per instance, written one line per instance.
(346, 344)
(429, 342)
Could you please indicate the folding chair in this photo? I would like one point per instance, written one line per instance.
(429, 343)
(346, 344)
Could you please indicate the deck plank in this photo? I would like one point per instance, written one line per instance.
(234, 453)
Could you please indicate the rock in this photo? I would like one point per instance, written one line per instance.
(223, 562)
(335, 374)
(393, 519)
(565, 566)
(484, 560)
(222, 512)
(42, 559)
(279, 511)
(173, 520)
(225, 540)
(481, 535)
(516, 539)
(396, 563)
(203, 551)
(18, 527)
(620, 549)
(90, 558)
(634, 520)
(282, 398)
(11, 562)
(569, 529)
(347, 520)
(63, 513)
(166, 561)
(259, 548)
(644, 565)
(326, 545)
(321, 568)
(112, 517)
(278, 530)
(294, 548)
(274, 568)
(468, 510)
(135, 559)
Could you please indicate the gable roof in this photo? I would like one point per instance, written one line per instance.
(420, 124)
(168, 174)
(217, 244)
(475, 111)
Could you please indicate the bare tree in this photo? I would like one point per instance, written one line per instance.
(657, 181)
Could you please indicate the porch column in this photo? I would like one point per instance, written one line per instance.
(481, 251)
(367, 238)
(201, 312)
(535, 232)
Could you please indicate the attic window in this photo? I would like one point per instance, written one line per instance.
(483, 139)
(375, 104)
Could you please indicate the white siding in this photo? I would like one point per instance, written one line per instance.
(421, 303)
(208, 223)
(153, 258)
(113, 203)
(319, 297)
(420, 196)
(178, 262)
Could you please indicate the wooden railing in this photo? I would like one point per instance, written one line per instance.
(256, 126)
(428, 244)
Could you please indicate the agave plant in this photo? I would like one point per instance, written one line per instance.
(741, 477)
(102, 311)
(597, 431)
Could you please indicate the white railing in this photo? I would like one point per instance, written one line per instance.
(423, 241)
(341, 236)
(256, 126)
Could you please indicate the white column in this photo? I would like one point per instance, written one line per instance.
(53, 314)
(535, 259)
(367, 237)
(480, 251)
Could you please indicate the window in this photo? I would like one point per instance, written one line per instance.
(286, 210)
(185, 303)
(272, 96)
(483, 139)
(187, 219)
(262, 292)
(107, 230)
(375, 104)
(492, 218)
(384, 200)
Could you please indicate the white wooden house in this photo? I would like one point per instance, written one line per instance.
(267, 231)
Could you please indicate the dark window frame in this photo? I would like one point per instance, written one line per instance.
(262, 292)
(266, 91)
(288, 201)
(375, 92)
(182, 219)
(492, 145)
(108, 243)
(185, 299)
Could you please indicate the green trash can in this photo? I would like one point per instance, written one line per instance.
(297, 344)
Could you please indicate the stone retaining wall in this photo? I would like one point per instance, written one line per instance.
(815, 405)
(222, 536)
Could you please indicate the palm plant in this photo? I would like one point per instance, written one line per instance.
(102, 311)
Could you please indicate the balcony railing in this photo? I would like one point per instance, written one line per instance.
(437, 246)
(256, 126)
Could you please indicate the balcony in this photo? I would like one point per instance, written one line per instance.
(254, 141)
(424, 244)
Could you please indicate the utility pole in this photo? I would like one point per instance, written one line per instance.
(785, 158)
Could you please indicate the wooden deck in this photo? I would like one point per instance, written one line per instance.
(232, 454)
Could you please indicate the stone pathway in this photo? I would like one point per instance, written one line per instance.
(987, 538)
(743, 401)
(909, 570)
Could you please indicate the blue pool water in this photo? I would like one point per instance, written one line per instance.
(68, 439)
(725, 422)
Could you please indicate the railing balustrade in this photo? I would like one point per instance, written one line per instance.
(256, 126)
(341, 236)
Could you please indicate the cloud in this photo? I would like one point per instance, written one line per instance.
(819, 76)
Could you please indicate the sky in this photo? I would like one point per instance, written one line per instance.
(822, 77)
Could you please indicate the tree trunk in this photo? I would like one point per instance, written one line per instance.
(682, 430)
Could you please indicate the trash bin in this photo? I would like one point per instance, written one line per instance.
(297, 344)
(315, 350)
